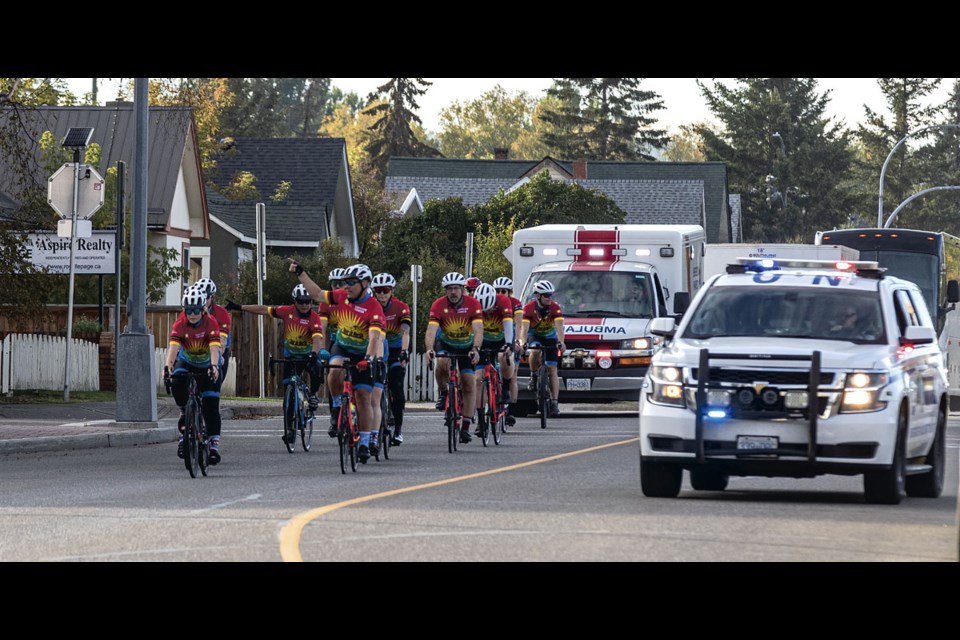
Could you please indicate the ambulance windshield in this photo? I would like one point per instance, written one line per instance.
(598, 294)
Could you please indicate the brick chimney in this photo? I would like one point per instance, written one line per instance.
(580, 169)
(501, 153)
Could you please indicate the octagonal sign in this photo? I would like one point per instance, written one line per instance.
(60, 191)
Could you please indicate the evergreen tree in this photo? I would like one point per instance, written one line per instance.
(603, 119)
(392, 133)
(878, 135)
(276, 107)
(786, 159)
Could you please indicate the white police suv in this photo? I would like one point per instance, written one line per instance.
(797, 369)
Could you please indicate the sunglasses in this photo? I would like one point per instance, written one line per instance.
(382, 289)
(350, 282)
(471, 290)
(193, 311)
(304, 300)
(503, 291)
(547, 295)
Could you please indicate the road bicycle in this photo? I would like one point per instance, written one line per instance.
(348, 430)
(196, 451)
(453, 405)
(491, 410)
(543, 384)
(297, 415)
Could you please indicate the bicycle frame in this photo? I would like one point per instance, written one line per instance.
(453, 408)
(295, 390)
(195, 450)
(348, 432)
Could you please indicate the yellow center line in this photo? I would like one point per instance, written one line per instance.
(291, 532)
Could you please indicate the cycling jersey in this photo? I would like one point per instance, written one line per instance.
(355, 319)
(494, 319)
(542, 319)
(455, 323)
(395, 315)
(222, 316)
(195, 341)
(298, 330)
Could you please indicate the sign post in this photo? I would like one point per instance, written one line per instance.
(82, 200)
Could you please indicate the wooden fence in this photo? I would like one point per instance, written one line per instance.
(29, 361)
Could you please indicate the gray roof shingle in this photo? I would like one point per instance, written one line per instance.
(630, 184)
(113, 130)
(285, 221)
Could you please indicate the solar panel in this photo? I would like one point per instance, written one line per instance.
(78, 137)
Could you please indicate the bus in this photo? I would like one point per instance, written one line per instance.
(931, 260)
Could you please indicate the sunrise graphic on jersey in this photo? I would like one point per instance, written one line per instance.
(397, 314)
(353, 326)
(542, 325)
(298, 331)
(195, 342)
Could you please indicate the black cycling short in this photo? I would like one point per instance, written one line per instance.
(361, 379)
(549, 348)
(463, 356)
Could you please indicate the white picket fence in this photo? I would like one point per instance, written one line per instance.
(29, 361)
(229, 387)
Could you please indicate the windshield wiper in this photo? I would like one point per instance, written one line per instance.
(597, 312)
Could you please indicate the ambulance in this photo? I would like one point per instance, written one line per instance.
(610, 281)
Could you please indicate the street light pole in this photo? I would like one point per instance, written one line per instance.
(883, 170)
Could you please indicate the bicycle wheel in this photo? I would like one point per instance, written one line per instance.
(190, 437)
(385, 434)
(203, 447)
(306, 426)
(344, 437)
(290, 417)
(450, 419)
(543, 396)
(483, 412)
(496, 414)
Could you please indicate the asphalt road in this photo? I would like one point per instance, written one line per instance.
(567, 493)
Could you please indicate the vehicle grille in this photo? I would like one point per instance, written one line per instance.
(744, 376)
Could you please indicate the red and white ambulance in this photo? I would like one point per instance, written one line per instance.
(611, 281)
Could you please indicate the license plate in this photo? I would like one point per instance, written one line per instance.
(757, 443)
(578, 384)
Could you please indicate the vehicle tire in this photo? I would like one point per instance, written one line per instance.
(888, 486)
(704, 479)
(660, 479)
(290, 417)
(191, 438)
(930, 484)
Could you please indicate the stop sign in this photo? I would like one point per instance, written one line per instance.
(60, 191)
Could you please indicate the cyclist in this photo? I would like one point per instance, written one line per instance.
(222, 316)
(456, 321)
(359, 338)
(302, 336)
(328, 320)
(504, 286)
(543, 321)
(472, 284)
(397, 323)
(497, 334)
(195, 348)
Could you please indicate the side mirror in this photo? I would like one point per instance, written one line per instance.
(953, 291)
(665, 327)
(918, 335)
(681, 302)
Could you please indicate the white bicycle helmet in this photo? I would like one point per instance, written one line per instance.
(453, 278)
(358, 271)
(383, 280)
(194, 297)
(207, 285)
(337, 274)
(486, 295)
(300, 292)
(503, 282)
(544, 286)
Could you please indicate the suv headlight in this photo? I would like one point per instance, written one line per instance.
(667, 385)
(861, 392)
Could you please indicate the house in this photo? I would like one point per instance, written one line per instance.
(317, 203)
(176, 197)
(649, 192)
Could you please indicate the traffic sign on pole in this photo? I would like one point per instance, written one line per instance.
(60, 188)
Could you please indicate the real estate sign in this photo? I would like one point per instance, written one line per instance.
(94, 255)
